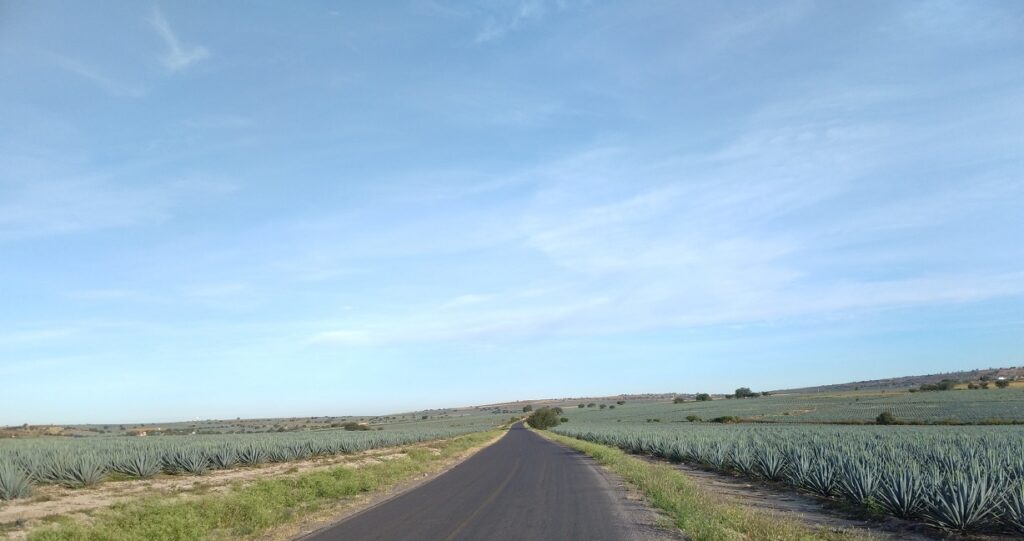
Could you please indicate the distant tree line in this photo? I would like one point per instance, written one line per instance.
(951, 384)
(742, 392)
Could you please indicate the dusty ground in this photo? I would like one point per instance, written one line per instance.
(812, 510)
(47, 502)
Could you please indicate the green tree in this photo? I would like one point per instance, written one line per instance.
(543, 419)
(886, 418)
(527, 408)
(1002, 383)
(745, 392)
(703, 397)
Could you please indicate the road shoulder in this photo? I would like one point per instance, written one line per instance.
(642, 521)
(348, 509)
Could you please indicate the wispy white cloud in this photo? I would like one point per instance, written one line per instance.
(35, 336)
(759, 22)
(78, 204)
(39, 367)
(466, 300)
(341, 337)
(498, 25)
(179, 56)
(107, 84)
(758, 229)
(103, 295)
(966, 21)
(232, 296)
(214, 291)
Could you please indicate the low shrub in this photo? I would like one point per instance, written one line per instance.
(886, 418)
(543, 418)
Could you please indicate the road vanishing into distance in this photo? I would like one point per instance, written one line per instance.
(522, 488)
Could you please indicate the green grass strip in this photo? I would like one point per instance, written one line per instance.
(246, 511)
(701, 516)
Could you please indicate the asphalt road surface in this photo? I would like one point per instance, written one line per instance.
(522, 488)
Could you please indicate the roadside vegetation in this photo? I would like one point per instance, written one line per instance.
(248, 511)
(701, 516)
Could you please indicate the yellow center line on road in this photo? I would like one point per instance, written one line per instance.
(488, 501)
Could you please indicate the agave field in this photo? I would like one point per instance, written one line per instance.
(963, 406)
(965, 478)
(77, 462)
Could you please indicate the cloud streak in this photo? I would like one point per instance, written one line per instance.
(179, 56)
(758, 229)
(80, 204)
(498, 25)
(112, 87)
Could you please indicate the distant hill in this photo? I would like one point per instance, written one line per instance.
(907, 382)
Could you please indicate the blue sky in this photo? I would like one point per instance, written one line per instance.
(250, 209)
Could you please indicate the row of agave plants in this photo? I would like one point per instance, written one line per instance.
(87, 461)
(955, 478)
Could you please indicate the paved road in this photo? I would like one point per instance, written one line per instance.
(521, 488)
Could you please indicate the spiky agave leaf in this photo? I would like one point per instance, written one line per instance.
(186, 460)
(252, 454)
(1013, 507)
(300, 451)
(281, 453)
(742, 461)
(677, 452)
(319, 448)
(142, 464)
(82, 470)
(800, 468)
(33, 465)
(223, 458)
(771, 463)
(821, 478)
(858, 481)
(718, 457)
(962, 501)
(902, 493)
(14, 482)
